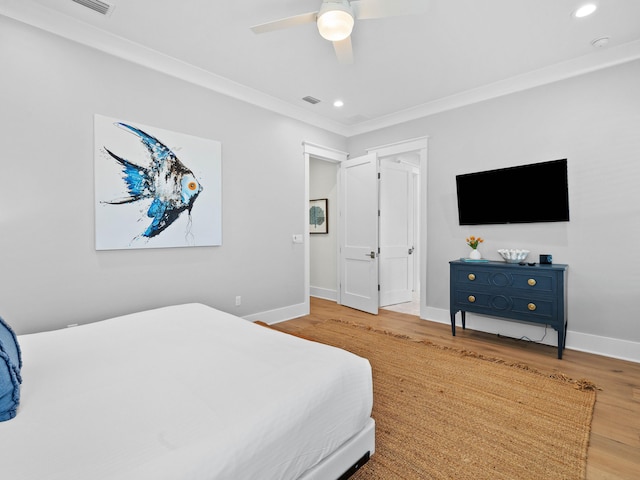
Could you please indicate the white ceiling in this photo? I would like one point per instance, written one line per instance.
(460, 51)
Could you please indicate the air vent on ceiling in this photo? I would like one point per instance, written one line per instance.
(97, 6)
(311, 100)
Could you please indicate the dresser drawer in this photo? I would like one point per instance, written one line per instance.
(518, 307)
(536, 282)
(472, 276)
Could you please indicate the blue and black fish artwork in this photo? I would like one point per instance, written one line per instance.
(171, 186)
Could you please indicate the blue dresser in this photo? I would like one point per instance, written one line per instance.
(535, 294)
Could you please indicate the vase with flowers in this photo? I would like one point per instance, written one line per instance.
(473, 242)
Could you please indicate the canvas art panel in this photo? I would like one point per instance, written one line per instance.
(155, 188)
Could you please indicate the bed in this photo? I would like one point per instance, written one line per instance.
(186, 392)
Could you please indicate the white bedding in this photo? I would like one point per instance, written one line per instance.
(182, 392)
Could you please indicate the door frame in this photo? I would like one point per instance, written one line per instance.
(419, 145)
(329, 155)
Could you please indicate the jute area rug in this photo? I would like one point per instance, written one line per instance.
(447, 414)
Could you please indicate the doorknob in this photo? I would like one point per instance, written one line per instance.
(372, 254)
(411, 250)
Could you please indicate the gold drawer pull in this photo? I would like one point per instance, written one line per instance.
(471, 277)
(531, 306)
(531, 281)
(471, 299)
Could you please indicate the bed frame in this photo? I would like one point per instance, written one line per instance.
(340, 464)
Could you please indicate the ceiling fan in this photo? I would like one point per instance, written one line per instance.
(335, 19)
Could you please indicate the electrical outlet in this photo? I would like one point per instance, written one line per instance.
(238, 301)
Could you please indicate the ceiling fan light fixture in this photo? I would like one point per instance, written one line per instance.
(335, 21)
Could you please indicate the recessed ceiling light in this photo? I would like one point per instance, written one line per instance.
(585, 10)
(338, 103)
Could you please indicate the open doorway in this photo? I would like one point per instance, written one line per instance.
(410, 160)
(411, 152)
(399, 232)
(323, 257)
(313, 153)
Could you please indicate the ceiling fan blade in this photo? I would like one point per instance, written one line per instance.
(285, 22)
(367, 9)
(344, 51)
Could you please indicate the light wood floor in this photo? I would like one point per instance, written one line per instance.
(614, 449)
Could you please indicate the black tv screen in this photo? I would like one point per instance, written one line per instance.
(537, 192)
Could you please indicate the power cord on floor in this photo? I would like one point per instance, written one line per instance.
(527, 339)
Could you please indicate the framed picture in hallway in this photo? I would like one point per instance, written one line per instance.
(318, 216)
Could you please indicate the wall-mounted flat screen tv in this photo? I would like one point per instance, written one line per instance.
(537, 192)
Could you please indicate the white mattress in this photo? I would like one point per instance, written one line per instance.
(182, 392)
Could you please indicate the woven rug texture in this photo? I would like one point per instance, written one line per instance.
(446, 414)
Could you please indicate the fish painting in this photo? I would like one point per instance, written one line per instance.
(167, 182)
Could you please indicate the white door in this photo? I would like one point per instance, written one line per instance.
(397, 200)
(358, 193)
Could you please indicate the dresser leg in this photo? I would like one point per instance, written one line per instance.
(464, 319)
(562, 336)
(560, 346)
(453, 323)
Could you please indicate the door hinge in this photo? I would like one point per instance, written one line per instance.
(378, 175)
(378, 287)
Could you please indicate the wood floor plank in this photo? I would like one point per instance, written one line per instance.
(614, 447)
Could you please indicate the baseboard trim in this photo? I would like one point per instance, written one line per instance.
(280, 314)
(583, 342)
(324, 293)
(607, 346)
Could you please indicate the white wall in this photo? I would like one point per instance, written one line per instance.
(594, 121)
(50, 273)
(323, 176)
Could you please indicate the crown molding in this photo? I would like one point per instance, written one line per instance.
(62, 25)
(598, 60)
(36, 15)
